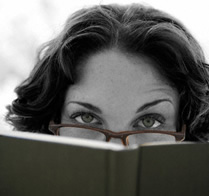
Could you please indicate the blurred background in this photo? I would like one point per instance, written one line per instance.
(25, 25)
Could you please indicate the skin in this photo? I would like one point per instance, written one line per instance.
(121, 91)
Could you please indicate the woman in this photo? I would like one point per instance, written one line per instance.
(119, 68)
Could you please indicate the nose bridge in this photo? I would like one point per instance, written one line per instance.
(128, 140)
(118, 115)
(118, 123)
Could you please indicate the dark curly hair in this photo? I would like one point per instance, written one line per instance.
(134, 28)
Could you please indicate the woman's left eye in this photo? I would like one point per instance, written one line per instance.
(86, 118)
(150, 121)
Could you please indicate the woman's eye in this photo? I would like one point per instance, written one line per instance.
(86, 118)
(150, 122)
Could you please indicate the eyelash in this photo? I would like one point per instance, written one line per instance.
(157, 117)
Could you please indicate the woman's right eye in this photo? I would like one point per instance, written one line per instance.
(85, 118)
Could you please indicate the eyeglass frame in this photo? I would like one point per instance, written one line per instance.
(123, 135)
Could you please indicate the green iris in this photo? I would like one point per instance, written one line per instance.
(148, 122)
(87, 118)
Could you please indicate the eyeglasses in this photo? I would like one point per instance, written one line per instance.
(126, 137)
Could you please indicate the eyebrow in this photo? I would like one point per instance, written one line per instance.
(143, 107)
(151, 104)
(88, 106)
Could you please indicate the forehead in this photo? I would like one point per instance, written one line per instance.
(112, 75)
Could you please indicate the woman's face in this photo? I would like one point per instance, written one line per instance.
(121, 91)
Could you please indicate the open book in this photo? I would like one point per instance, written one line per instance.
(36, 164)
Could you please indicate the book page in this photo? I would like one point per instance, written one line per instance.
(63, 140)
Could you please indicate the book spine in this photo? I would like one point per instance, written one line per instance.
(122, 173)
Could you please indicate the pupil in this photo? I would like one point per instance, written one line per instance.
(148, 122)
(87, 118)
